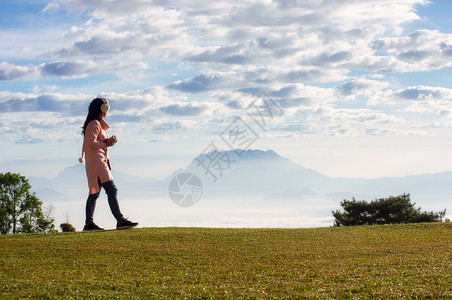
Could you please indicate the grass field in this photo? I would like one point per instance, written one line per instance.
(399, 261)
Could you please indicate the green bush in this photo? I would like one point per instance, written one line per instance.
(66, 227)
(391, 210)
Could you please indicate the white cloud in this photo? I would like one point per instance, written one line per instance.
(361, 86)
(305, 54)
(424, 93)
(65, 68)
(70, 104)
(9, 72)
(43, 89)
(247, 32)
(165, 127)
(12, 72)
(208, 82)
(419, 51)
(260, 41)
(39, 127)
(190, 109)
(154, 31)
(51, 7)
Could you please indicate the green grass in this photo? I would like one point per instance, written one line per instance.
(399, 261)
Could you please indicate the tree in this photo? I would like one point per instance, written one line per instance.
(21, 211)
(389, 210)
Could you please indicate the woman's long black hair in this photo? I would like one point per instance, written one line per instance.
(93, 112)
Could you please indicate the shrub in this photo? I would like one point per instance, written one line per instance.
(66, 227)
(391, 210)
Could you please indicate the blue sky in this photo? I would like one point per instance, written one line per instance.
(365, 86)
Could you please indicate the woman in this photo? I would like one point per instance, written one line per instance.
(95, 152)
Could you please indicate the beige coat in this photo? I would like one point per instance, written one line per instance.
(95, 153)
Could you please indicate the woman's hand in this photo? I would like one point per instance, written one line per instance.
(111, 141)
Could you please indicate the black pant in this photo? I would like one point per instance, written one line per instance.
(112, 193)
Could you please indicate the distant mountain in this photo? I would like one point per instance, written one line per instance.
(275, 180)
(70, 184)
(255, 179)
(254, 173)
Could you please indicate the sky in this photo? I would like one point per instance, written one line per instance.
(362, 88)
